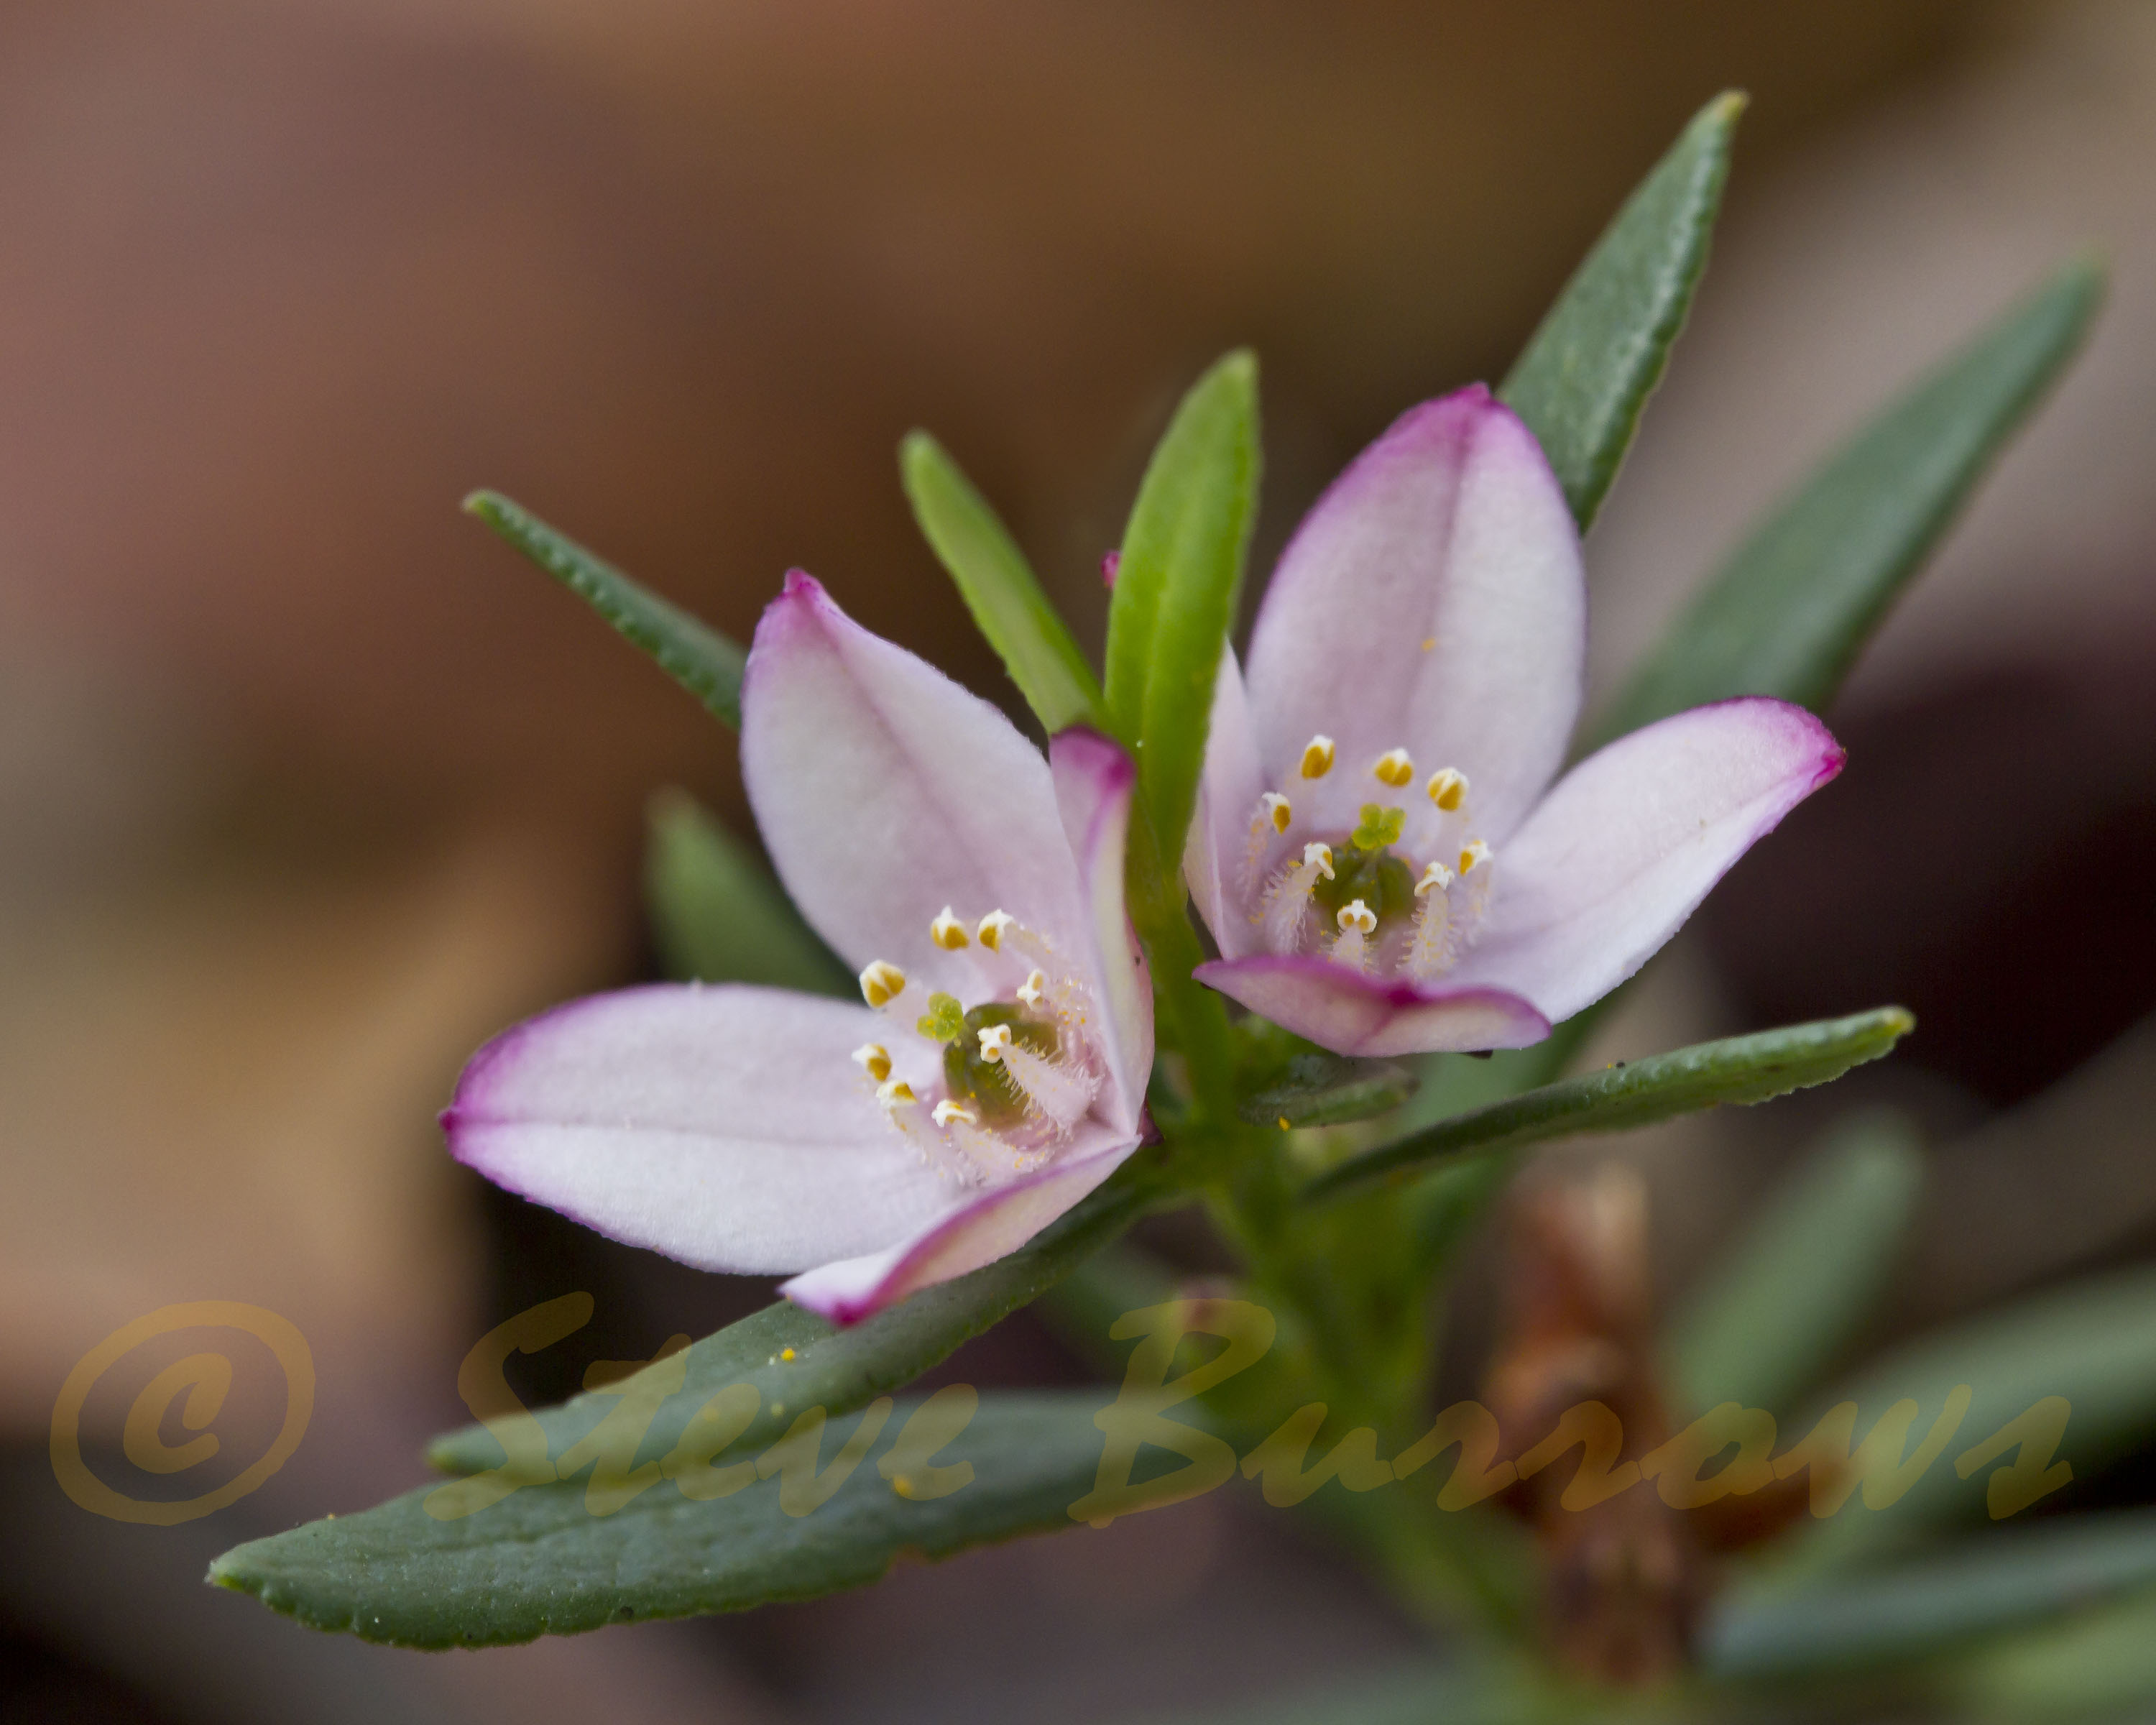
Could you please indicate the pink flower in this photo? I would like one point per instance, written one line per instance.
(995, 1073)
(1378, 849)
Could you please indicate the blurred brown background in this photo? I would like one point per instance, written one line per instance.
(307, 785)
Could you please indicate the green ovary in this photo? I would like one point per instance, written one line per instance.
(984, 1084)
(1376, 877)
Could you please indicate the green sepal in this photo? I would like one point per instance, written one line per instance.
(1176, 590)
(999, 588)
(1741, 1069)
(1790, 611)
(717, 915)
(697, 656)
(1325, 1089)
(1586, 374)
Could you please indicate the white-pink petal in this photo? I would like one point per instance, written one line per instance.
(1094, 782)
(1432, 600)
(884, 792)
(725, 1127)
(1354, 1014)
(989, 1227)
(1627, 845)
(1216, 856)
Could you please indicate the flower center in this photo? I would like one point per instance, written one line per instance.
(1011, 1075)
(1371, 899)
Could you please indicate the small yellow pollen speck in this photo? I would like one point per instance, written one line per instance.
(1283, 1120)
(1394, 768)
(786, 1353)
(1447, 789)
(882, 983)
(1317, 757)
(947, 931)
(903, 1486)
(990, 933)
(1428, 642)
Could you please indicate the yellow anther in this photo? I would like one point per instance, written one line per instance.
(947, 931)
(1447, 789)
(1434, 879)
(1317, 757)
(875, 1059)
(1276, 809)
(882, 983)
(896, 1094)
(1476, 852)
(1358, 917)
(1033, 988)
(994, 1039)
(947, 1110)
(1321, 855)
(990, 933)
(1394, 768)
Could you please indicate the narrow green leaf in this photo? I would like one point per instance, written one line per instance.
(999, 588)
(698, 657)
(837, 1370)
(717, 914)
(1794, 1286)
(1176, 588)
(540, 1562)
(1790, 610)
(1976, 1589)
(1324, 1090)
(2094, 1665)
(1587, 373)
(2093, 1342)
(1741, 1069)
